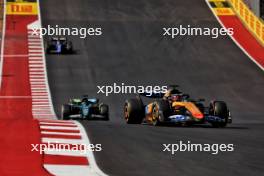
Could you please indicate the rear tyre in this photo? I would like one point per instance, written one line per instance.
(47, 47)
(161, 111)
(104, 111)
(134, 111)
(48, 50)
(65, 112)
(219, 109)
(69, 48)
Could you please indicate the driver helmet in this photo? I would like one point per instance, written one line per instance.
(176, 97)
(85, 100)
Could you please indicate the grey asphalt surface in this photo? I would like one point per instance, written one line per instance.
(133, 51)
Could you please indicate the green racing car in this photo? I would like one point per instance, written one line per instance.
(84, 108)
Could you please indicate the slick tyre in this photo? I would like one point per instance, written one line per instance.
(104, 111)
(48, 50)
(134, 111)
(47, 47)
(70, 48)
(219, 109)
(65, 112)
(161, 111)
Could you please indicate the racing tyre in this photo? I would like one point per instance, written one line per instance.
(69, 48)
(219, 109)
(104, 110)
(161, 111)
(48, 50)
(47, 47)
(134, 111)
(65, 112)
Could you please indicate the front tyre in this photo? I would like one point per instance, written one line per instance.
(161, 111)
(219, 109)
(134, 111)
(104, 111)
(70, 47)
(65, 112)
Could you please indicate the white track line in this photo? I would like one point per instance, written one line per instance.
(38, 88)
(64, 141)
(56, 123)
(66, 153)
(69, 170)
(60, 133)
(3, 43)
(58, 128)
(38, 106)
(34, 40)
(34, 43)
(34, 46)
(35, 57)
(39, 54)
(36, 94)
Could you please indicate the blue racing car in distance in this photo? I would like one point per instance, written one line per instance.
(84, 108)
(59, 45)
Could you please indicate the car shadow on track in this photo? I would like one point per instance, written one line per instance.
(200, 126)
(93, 119)
(74, 52)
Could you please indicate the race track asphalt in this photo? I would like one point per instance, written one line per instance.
(133, 51)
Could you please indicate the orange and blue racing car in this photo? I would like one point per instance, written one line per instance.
(175, 107)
